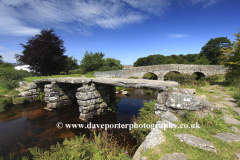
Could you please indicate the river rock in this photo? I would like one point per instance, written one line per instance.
(22, 83)
(197, 142)
(183, 101)
(174, 156)
(153, 139)
(228, 137)
(235, 129)
(164, 124)
(169, 116)
(25, 94)
(160, 107)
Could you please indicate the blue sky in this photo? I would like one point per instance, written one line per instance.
(122, 29)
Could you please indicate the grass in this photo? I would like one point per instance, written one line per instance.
(118, 88)
(209, 127)
(31, 79)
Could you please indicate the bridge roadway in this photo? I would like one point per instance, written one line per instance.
(121, 82)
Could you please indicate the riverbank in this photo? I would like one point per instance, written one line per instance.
(217, 138)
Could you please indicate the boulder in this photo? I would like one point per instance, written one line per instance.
(169, 116)
(178, 100)
(160, 107)
(153, 139)
(25, 94)
(197, 142)
(228, 137)
(174, 156)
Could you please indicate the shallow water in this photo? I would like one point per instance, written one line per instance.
(27, 126)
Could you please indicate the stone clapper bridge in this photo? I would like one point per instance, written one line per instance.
(93, 95)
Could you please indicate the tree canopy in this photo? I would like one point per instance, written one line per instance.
(71, 64)
(44, 53)
(231, 58)
(212, 49)
(95, 61)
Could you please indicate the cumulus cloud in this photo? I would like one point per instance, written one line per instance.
(174, 36)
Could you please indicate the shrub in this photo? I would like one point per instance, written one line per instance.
(180, 78)
(4, 102)
(101, 146)
(149, 76)
(63, 73)
(79, 71)
(147, 116)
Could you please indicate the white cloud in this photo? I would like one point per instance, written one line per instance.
(9, 56)
(107, 14)
(206, 2)
(173, 36)
(2, 48)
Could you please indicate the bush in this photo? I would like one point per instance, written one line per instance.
(4, 102)
(79, 71)
(63, 73)
(147, 116)
(149, 76)
(101, 146)
(180, 78)
(213, 79)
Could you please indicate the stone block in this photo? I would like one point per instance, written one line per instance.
(160, 107)
(51, 94)
(32, 90)
(54, 105)
(103, 105)
(54, 99)
(67, 102)
(25, 94)
(86, 89)
(31, 86)
(22, 83)
(162, 97)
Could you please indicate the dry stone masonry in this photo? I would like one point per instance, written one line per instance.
(94, 100)
(33, 90)
(162, 70)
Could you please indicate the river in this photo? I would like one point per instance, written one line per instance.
(27, 126)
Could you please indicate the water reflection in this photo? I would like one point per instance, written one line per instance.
(27, 126)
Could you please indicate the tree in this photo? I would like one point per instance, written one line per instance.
(71, 64)
(1, 61)
(44, 53)
(212, 49)
(231, 58)
(91, 62)
(203, 61)
(111, 62)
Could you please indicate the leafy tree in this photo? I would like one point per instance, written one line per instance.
(44, 53)
(91, 62)
(71, 64)
(231, 58)
(203, 61)
(1, 61)
(182, 61)
(111, 62)
(212, 49)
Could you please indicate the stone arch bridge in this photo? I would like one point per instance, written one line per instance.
(161, 70)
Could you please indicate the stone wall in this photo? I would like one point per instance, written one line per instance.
(33, 90)
(110, 74)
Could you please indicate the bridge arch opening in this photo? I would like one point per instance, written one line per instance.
(198, 75)
(170, 75)
(150, 75)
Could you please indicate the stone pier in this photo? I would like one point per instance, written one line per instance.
(94, 100)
